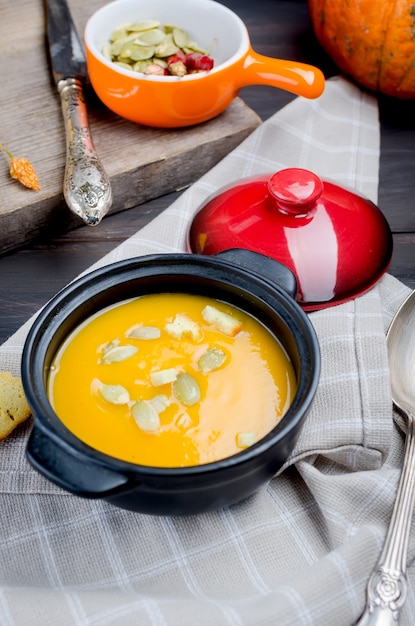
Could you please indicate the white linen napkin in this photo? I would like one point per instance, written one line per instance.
(301, 549)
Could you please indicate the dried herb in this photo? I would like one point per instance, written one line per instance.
(22, 170)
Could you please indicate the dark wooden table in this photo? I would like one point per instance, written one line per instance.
(30, 276)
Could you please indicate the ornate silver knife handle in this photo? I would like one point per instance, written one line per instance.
(86, 187)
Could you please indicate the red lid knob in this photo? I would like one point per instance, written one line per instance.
(295, 190)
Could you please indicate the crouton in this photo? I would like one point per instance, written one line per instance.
(224, 322)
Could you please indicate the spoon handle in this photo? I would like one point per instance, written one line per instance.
(387, 586)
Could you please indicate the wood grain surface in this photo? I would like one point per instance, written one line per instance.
(142, 163)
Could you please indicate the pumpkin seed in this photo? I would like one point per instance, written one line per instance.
(144, 332)
(192, 46)
(144, 25)
(146, 416)
(124, 65)
(166, 49)
(135, 52)
(169, 28)
(150, 37)
(139, 66)
(116, 394)
(180, 37)
(118, 354)
(148, 40)
(186, 389)
(244, 440)
(212, 359)
(117, 45)
(160, 62)
(119, 33)
(106, 51)
(112, 344)
(162, 377)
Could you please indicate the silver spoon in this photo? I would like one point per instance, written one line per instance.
(387, 586)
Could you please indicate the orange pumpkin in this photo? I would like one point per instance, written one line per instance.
(371, 40)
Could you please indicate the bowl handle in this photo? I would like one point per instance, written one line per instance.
(299, 78)
(70, 469)
(270, 269)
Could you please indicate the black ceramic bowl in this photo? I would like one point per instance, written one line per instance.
(255, 284)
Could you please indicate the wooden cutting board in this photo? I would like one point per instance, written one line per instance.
(142, 163)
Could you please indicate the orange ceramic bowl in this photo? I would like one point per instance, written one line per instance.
(169, 101)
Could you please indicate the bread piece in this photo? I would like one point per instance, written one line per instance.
(14, 408)
(183, 326)
(226, 323)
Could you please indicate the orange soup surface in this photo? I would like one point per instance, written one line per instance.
(171, 380)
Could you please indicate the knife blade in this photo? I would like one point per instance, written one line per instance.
(86, 186)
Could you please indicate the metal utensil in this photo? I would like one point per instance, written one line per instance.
(387, 587)
(86, 188)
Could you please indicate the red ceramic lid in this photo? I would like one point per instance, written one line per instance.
(337, 243)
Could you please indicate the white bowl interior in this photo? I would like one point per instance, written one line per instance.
(212, 25)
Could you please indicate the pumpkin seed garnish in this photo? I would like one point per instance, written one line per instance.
(144, 25)
(117, 45)
(166, 49)
(180, 37)
(134, 52)
(144, 332)
(131, 44)
(121, 64)
(150, 37)
(119, 33)
(108, 346)
(146, 416)
(193, 46)
(118, 354)
(211, 360)
(106, 51)
(186, 389)
(115, 394)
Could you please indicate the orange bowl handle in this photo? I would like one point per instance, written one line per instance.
(299, 78)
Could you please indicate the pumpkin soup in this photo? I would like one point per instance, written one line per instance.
(171, 380)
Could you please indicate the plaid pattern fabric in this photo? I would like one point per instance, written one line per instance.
(300, 550)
